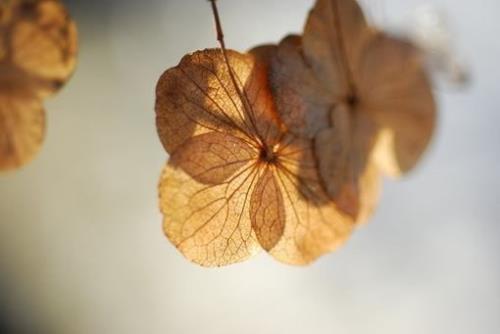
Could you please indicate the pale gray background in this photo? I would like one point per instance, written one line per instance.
(81, 246)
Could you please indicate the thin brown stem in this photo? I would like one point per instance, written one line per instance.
(218, 26)
(241, 94)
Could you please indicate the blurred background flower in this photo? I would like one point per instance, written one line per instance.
(81, 246)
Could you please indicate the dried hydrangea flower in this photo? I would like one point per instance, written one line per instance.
(363, 96)
(38, 45)
(281, 148)
(238, 181)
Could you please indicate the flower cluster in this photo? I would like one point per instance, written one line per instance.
(282, 148)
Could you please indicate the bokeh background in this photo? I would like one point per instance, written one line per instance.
(81, 245)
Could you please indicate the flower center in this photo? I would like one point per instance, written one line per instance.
(267, 155)
(29, 9)
(352, 100)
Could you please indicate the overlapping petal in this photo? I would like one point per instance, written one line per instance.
(314, 224)
(397, 93)
(22, 128)
(199, 96)
(209, 223)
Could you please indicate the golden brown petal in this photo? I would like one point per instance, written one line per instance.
(209, 224)
(212, 157)
(314, 225)
(42, 41)
(267, 210)
(199, 96)
(264, 53)
(397, 93)
(303, 102)
(333, 147)
(343, 152)
(333, 38)
(22, 128)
